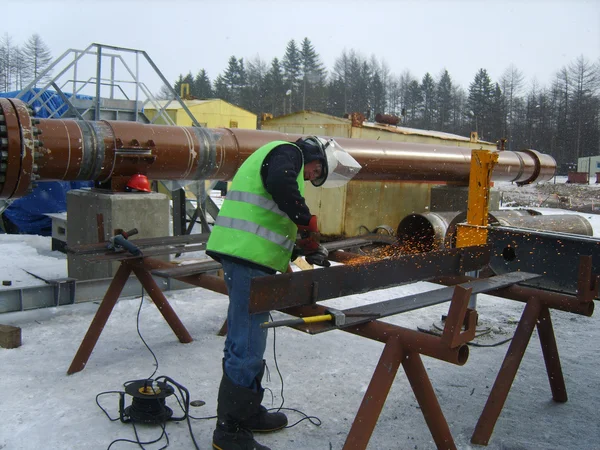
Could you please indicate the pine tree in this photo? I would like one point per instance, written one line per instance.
(292, 70)
(428, 94)
(202, 87)
(231, 78)
(37, 57)
(444, 102)
(497, 115)
(377, 101)
(221, 90)
(336, 95)
(414, 101)
(274, 89)
(189, 80)
(313, 76)
(480, 102)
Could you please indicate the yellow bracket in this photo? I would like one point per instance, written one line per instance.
(474, 232)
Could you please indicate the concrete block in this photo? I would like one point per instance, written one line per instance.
(59, 231)
(10, 337)
(148, 212)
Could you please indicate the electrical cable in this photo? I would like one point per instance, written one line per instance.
(312, 419)
(142, 338)
(183, 392)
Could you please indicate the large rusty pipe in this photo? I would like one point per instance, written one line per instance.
(100, 150)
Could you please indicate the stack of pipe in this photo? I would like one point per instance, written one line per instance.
(437, 230)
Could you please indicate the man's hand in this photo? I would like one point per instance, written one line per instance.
(309, 246)
(318, 257)
(311, 230)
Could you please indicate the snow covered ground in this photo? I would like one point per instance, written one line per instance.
(324, 375)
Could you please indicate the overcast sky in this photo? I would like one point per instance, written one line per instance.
(538, 37)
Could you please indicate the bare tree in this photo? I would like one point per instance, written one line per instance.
(20, 69)
(37, 57)
(584, 84)
(6, 63)
(511, 84)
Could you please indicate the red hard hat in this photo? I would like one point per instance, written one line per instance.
(139, 182)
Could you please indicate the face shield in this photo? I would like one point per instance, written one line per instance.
(341, 166)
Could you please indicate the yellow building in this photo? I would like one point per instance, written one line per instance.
(319, 124)
(210, 113)
(362, 205)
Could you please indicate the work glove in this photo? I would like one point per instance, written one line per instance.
(311, 230)
(309, 237)
(318, 257)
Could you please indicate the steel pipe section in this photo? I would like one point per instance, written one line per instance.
(430, 231)
(100, 150)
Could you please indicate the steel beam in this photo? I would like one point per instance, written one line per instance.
(366, 313)
(302, 288)
(554, 254)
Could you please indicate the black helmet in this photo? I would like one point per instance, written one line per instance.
(313, 148)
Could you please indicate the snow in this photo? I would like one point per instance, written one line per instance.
(324, 375)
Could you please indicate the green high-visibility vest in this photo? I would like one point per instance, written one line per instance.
(250, 225)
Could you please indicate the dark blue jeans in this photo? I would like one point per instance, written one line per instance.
(246, 341)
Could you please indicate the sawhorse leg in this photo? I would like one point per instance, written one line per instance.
(533, 314)
(162, 304)
(372, 403)
(108, 303)
(366, 419)
(93, 333)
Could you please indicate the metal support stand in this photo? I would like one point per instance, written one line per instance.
(404, 347)
(533, 312)
(108, 303)
(536, 314)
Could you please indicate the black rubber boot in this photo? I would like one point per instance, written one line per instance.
(263, 421)
(236, 404)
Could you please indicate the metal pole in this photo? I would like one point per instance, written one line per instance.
(112, 77)
(137, 82)
(75, 73)
(98, 77)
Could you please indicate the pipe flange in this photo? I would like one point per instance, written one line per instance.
(28, 147)
(3, 149)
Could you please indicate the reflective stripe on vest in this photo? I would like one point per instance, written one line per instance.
(256, 200)
(251, 227)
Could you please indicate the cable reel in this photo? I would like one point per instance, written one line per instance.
(148, 403)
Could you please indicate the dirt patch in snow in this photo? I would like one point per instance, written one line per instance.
(574, 197)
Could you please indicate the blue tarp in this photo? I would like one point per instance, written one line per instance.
(50, 98)
(28, 213)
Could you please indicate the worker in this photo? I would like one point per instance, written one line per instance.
(254, 235)
(138, 183)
